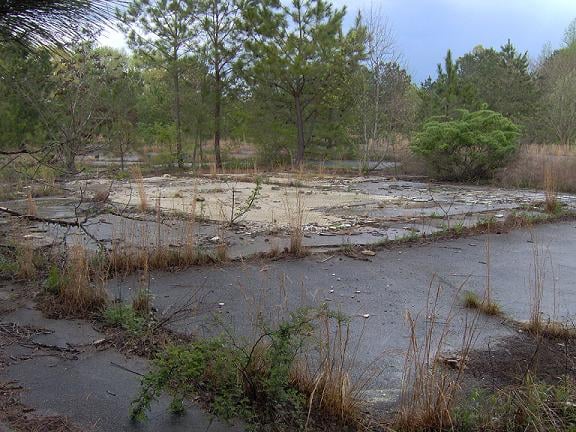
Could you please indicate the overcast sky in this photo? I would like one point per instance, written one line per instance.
(425, 29)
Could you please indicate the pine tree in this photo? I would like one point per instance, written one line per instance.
(163, 31)
(293, 48)
(219, 22)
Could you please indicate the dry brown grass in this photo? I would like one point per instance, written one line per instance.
(485, 305)
(537, 325)
(473, 301)
(137, 176)
(551, 204)
(31, 209)
(134, 247)
(405, 161)
(429, 391)
(142, 301)
(26, 269)
(529, 168)
(82, 290)
(551, 329)
(295, 213)
(125, 260)
(537, 281)
(326, 376)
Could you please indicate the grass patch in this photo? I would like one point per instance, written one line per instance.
(529, 406)
(550, 329)
(125, 317)
(473, 301)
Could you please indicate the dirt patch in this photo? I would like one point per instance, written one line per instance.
(508, 363)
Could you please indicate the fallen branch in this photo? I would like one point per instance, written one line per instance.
(60, 222)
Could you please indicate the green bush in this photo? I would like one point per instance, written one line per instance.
(469, 147)
(252, 382)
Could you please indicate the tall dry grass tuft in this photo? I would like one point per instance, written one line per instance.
(429, 390)
(536, 324)
(551, 204)
(137, 176)
(326, 376)
(82, 289)
(31, 208)
(26, 269)
(190, 247)
(485, 304)
(142, 301)
(537, 280)
(158, 222)
(295, 213)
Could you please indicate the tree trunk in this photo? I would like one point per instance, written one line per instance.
(217, 117)
(179, 157)
(300, 130)
(70, 160)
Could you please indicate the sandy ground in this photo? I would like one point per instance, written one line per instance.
(327, 203)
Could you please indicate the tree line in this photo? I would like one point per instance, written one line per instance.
(286, 77)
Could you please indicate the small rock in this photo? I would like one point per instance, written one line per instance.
(368, 252)
(215, 239)
(366, 316)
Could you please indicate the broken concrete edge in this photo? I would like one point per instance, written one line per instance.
(511, 223)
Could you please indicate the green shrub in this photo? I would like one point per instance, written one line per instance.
(469, 147)
(183, 371)
(239, 381)
(55, 280)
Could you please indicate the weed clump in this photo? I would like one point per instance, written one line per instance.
(488, 307)
(265, 382)
(25, 266)
(125, 317)
(529, 406)
(81, 285)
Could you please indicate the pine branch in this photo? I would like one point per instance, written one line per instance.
(51, 23)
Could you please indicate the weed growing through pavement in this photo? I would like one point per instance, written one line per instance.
(25, 263)
(486, 304)
(124, 316)
(82, 284)
(429, 392)
(295, 213)
(137, 176)
(551, 204)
